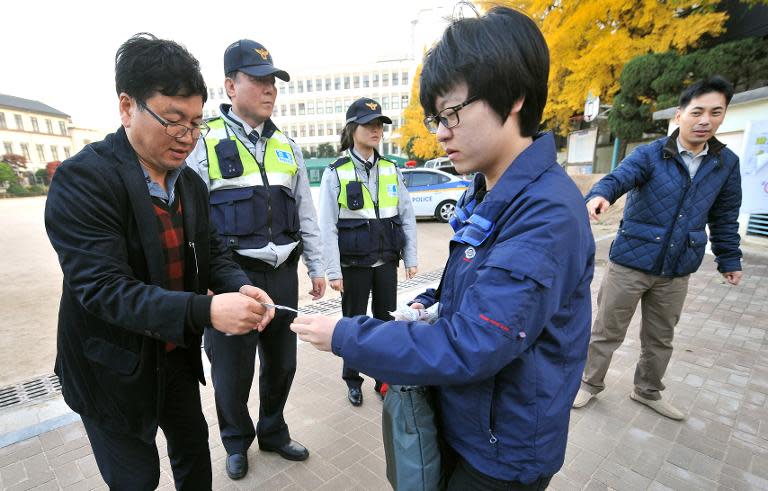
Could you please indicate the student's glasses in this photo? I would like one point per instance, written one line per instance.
(449, 117)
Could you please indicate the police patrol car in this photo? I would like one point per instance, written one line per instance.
(433, 193)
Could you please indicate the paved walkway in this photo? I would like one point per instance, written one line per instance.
(718, 374)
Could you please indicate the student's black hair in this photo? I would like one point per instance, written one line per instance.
(715, 83)
(501, 56)
(145, 64)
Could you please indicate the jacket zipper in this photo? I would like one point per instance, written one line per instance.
(269, 199)
(197, 271)
(492, 418)
(665, 249)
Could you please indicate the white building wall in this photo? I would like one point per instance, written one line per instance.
(313, 117)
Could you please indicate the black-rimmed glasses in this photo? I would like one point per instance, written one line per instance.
(176, 130)
(449, 116)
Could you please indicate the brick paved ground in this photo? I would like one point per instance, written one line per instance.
(718, 374)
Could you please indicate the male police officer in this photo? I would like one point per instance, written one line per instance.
(262, 207)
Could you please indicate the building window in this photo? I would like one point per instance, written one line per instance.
(291, 88)
(310, 108)
(337, 83)
(62, 128)
(356, 81)
(25, 151)
(311, 130)
(3, 124)
(221, 92)
(319, 107)
(293, 109)
(404, 78)
(375, 80)
(309, 85)
(330, 129)
(346, 83)
(49, 125)
(19, 122)
(385, 150)
(54, 152)
(283, 109)
(395, 102)
(211, 93)
(282, 89)
(366, 81)
(338, 128)
(35, 126)
(327, 84)
(303, 132)
(385, 103)
(40, 153)
(8, 147)
(338, 106)
(321, 130)
(404, 101)
(395, 81)
(300, 86)
(66, 152)
(302, 109)
(385, 80)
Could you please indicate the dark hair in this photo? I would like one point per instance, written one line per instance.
(145, 64)
(501, 56)
(715, 83)
(347, 136)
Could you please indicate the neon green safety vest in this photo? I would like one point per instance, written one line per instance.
(279, 161)
(387, 198)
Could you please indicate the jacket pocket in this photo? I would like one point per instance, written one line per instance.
(638, 245)
(356, 237)
(292, 222)
(693, 255)
(233, 211)
(117, 359)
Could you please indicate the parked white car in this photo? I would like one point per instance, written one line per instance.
(434, 193)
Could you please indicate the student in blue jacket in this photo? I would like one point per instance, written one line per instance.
(510, 343)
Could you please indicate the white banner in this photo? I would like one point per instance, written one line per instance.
(754, 168)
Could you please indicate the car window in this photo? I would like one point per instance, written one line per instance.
(443, 179)
(423, 179)
(407, 179)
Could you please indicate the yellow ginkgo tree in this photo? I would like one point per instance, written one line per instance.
(414, 137)
(590, 41)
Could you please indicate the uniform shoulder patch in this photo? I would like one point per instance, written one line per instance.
(339, 162)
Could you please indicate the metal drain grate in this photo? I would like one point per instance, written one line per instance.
(333, 305)
(31, 390)
(49, 385)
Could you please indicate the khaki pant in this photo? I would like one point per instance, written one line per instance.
(662, 301)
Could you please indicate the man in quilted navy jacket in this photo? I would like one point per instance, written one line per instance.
(677, 185)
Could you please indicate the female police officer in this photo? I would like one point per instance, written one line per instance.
(509, 345)
(367, 222)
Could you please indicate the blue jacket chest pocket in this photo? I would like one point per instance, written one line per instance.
(230, 164)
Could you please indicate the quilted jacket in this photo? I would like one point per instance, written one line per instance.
(663, 229)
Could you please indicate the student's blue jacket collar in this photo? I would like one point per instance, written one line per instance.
(473, 222)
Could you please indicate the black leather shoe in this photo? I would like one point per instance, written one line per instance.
(237, 466)
(355, 396)
(292, 450)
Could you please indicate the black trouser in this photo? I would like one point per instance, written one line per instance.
(359, 283)
(467, 478)
(128, 462)
(232, 366)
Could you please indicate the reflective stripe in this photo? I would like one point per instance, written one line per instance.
(387, 191)
(364, 213)
(279, 160)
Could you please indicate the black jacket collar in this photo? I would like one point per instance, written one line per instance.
(670, 146)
